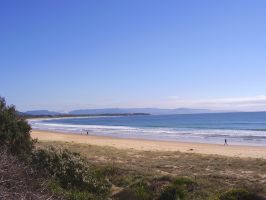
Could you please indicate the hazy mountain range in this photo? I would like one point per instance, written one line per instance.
(41, 112)
(152, 111)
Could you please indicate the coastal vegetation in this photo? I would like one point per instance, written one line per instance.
(55, 170)
(14, 131)
(64, 174)
(148, 174)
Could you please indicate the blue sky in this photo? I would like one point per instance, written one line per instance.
(62, 55)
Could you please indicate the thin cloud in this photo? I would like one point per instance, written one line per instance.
(256, 103)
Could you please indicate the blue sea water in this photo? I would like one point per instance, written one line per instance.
(237, 128)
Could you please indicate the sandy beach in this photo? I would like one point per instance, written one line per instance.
(149, 145)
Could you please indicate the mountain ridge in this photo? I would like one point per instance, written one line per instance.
(101, 111)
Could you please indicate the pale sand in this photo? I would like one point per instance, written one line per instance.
(149, 145)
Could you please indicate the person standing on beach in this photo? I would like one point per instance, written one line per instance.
(225, 142)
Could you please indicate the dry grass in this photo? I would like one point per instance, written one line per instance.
(213, 174)
(17, 180)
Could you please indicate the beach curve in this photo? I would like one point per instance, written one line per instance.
(152, 145)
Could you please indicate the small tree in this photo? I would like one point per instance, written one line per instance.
(14, 130)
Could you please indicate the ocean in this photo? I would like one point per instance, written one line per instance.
(237, 128)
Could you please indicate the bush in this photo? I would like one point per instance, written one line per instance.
(162, 188)
(143, 191)
(19, 181)
(71, 194)
(14, 130)
(176, 190)
(140, 190)
(238, 194)
(70, 171)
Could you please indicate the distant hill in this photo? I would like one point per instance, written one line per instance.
(41, 112)
(117, 111)
(153, 111)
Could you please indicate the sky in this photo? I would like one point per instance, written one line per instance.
(63, 55)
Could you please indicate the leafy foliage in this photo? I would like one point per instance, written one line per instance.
(71, 171)
(143, 191)
(177, 190)
(162, 188)
(14, 130)
(19, 181)
(71, 194)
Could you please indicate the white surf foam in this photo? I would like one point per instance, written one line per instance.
(248, 137)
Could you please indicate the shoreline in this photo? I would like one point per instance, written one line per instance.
(154, 145)
(183, 136)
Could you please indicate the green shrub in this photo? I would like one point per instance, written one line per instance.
(162, 188)
(70, 171)
(176, 190)
(140, 190)
(14, 130)
(171, 193)
(238, 194)
(143, 190)
(71, 194)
